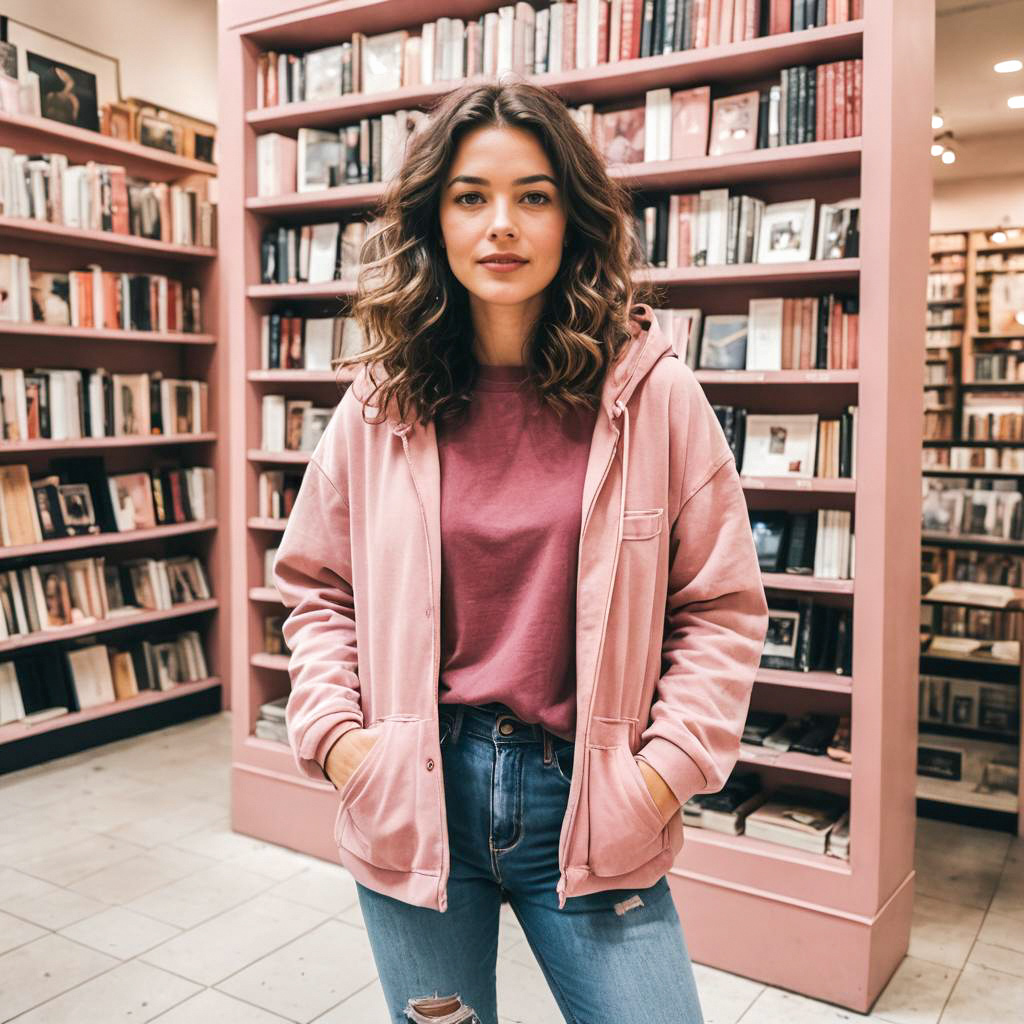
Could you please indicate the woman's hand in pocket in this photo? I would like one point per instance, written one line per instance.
(659, 790)
(347, 754)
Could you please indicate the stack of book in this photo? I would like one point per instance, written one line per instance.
(271, 723)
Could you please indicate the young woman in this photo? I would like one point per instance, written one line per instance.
(526, 604)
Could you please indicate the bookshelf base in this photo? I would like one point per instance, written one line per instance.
(737, 930)
(147, 715)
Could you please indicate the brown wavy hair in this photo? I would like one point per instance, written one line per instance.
(414, 312)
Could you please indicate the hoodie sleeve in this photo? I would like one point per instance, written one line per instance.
(716, 614)
(313, 574)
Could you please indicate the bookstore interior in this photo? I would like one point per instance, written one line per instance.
(176, 290)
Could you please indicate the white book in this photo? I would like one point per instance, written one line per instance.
(715, 208)
(657, 146)
(456, 62)
(319, 346)
(764, 337)
(428, 42)
(273, 423)
(583, 19)
(323, 252)
(555, 39)
(506, 32)
(90, 674)
(265, 341)
(12, 709)
(541, 31)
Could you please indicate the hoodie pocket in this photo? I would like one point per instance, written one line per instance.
(387, 803)
(626, 829)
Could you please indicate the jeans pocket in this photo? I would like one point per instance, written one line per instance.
(562, 761)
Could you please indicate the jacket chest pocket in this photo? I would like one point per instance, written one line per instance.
(387, 804)
(626, 828)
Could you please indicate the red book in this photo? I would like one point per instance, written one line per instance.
(687, 211)
(780, 17)
(174, 476)
(853, 336)
(700, 22)
(739, 15)
(830, 12)
(848, 101)
(629, 44)
(856, 9)
(569, 37)
(806, 335)
(787, 334)
(835, 333)
(839, 113)
(751, 19)
(602, 33)
(726, 9)
(829, 102)
(858, 96)
(271, 79)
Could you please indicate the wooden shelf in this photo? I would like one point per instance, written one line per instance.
(830, 682)
(816, 377)
(292, 376)
(274, 662)
(14, 731)
(806, 584)
(961, 794)
(100, 626)
(806, 272)
(41, 134)
(264, 523)
(92, 443)
(99, 540)
(287, 458)
(818, 484)
(37, 331)
(807, 764)
(98, 241)
(930, 537)
(823, 159)
(265, 595)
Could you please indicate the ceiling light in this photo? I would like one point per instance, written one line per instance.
(948, 157)
(937, 149)
(998, 237)
(937, 121)
(1006, 67)
(1020, 317)
(1015, 102)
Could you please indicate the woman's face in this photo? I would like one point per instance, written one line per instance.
(501, 196)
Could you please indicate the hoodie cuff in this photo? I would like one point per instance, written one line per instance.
(681, 773)
(330, 738)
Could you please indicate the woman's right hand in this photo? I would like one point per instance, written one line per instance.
(346, 755)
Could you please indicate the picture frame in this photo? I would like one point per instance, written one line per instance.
(76, 509)
(770, 530)
(54, 50)
(834, 220)
(47, 500)
(734, 123)
(778, 445)
(787, 231)
(781, 638)
(118, 121)
(723, 343)
(158, 133)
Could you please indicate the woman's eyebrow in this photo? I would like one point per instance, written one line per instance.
(528, 180)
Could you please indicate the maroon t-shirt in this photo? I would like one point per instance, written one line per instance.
(511, 492)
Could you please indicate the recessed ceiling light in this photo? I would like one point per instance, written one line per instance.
(937, 148)
(1015, 102)
(948, 157)
(937, 121)
(1006, 67)
(998, 237)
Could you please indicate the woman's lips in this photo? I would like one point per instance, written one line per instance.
(503, 266)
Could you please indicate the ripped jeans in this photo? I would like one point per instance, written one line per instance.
(615, 956)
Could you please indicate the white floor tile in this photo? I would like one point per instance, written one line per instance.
(326, 887)
(776, 1006)
(215, 1007)
(1001, 930)
(120, 932)
(724, 997)
(981, 996)
(367, 1006)
(196, 898)
(959, 879)
(210, 952)
(15, 932)
(36, 972)
(54, 908)
(916, 993)
(76, 860)
(127, 880)
(997, 958)
(943, 932)
(306, 977)
(129, 994)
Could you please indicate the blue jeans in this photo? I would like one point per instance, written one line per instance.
(609, 956)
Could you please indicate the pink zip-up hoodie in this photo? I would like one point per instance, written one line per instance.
(670, 623)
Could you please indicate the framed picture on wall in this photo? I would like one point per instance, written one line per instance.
(74, 81)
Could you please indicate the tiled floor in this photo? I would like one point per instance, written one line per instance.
(124, 896)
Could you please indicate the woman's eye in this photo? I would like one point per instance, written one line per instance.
(541, 196)
(465, 195)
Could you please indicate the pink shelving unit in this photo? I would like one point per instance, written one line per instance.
(176, 354)
(829, 928)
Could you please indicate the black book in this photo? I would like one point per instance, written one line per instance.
(281, 261)
(800, 549)
(661, 232)
(811, 131)
(821, 15)
(843, 661)
(108, 405)
(274, 344)
(739, 788)
(680, 35)
(845, 425)
(760, 724)
(799, 20)
(763, 106)
(805, 635)
(156, 412)
(43, 681)
(821, 342)
(268, 257)
(851, 246)
(647, 30)
(664, 15)
(816, 739)
(143, 676)
(788, 733)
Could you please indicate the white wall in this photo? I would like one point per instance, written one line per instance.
(988, 202)
(167, 49)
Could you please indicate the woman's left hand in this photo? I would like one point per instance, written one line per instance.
(659, 790)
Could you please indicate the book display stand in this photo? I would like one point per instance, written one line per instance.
(831, 928)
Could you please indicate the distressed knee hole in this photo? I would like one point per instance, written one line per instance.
(440, 1010)
(624, 905)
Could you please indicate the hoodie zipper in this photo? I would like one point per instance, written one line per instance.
(560, 888)
(442, 885)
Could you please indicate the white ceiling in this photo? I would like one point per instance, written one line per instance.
(970, 36)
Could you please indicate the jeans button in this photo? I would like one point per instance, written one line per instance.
(506, 727)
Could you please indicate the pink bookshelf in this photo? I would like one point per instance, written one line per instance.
(815, 924)
(31, 345)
